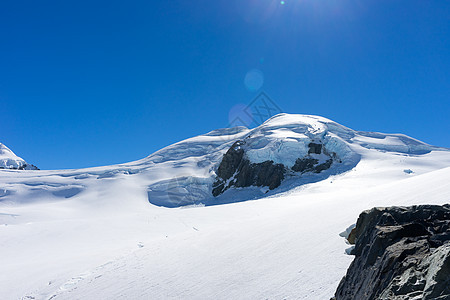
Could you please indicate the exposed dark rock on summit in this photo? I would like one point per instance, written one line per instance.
(315, 148)
(400, 253)
(240, 172)
(236, 170)
(309, 164)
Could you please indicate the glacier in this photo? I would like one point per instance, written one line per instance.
(152, 229)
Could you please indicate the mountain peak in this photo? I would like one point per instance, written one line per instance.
(285, 118)
(9, 160)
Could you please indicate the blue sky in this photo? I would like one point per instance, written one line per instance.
(90, 83)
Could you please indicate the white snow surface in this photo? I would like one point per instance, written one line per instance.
(99, 233)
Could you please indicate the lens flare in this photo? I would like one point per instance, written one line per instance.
(254, 80)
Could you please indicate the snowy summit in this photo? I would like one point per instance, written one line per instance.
(8, 160)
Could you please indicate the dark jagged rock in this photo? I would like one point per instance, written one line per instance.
(305, 164)
(400, 253)
(309, 164)
(322, 167)
(231, 161)
(236, 170)
(314, 148)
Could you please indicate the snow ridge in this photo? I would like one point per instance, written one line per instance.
(183, 173)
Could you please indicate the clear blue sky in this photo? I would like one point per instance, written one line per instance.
(90, 83)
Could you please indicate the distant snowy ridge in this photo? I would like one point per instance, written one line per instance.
(8, 160)
(185, 173)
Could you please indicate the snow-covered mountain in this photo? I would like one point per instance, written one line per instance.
(8, 160)
(153, 228)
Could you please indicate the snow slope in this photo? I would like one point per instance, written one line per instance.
(92, 233)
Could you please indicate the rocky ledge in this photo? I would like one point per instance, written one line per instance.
(400, 253)
(236, 169)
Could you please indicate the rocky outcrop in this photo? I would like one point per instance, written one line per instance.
(309, 164)
(400, 253)
(236, 170)
(314, 148)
